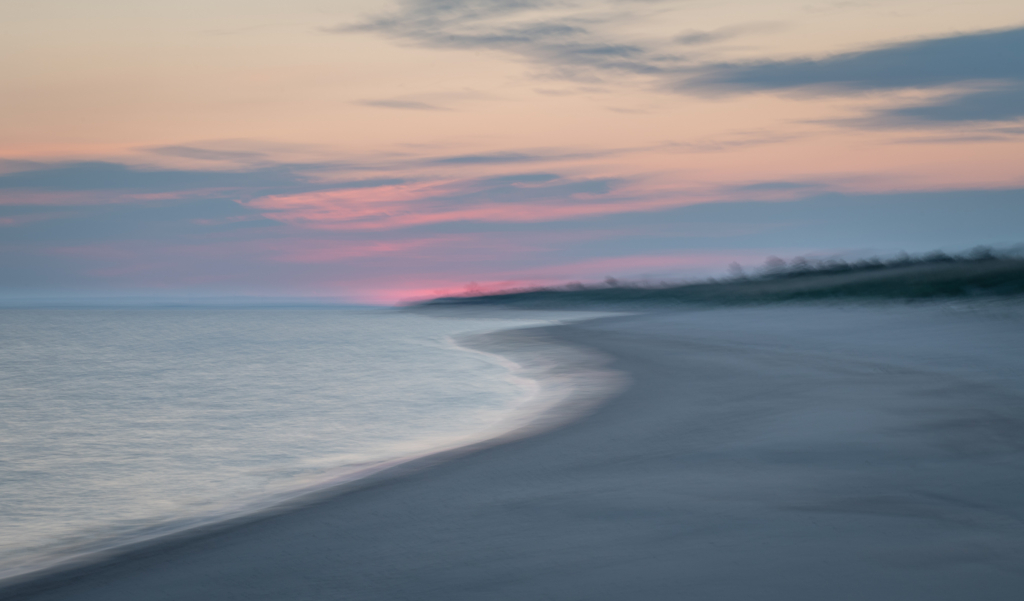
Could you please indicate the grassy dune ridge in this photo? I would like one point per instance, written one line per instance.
(979, 273)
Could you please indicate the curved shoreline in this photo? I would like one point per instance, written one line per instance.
(564, 391)
(773, 453)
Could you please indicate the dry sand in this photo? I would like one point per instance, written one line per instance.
(778, 453)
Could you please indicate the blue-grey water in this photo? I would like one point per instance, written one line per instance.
(119, 424)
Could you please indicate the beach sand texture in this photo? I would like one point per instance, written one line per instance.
(773, 453)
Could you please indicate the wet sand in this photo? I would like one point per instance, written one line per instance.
(777, 453)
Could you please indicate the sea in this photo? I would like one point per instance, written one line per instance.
(122, 424)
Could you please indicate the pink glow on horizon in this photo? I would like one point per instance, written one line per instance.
(378, 271)
(697, 265)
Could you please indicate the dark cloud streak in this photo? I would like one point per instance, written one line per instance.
(572, 47)
(993, 105)
(928, 63)
(566, 45)
(971, 62)
(479, 159)
(117, 178)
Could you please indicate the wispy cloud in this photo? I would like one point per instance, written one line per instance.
(208, 154)
(503, 157)
(985, 72)
(571, 41)
(408, 105)
(991, 134)
(992, 55)
(701, 38)
(492, 158)
(522, 199)
(566, 42)
(1004, 103)
(97, 182)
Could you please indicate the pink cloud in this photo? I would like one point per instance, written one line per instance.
(390, 207)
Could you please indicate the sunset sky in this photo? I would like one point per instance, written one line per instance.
(381, 151)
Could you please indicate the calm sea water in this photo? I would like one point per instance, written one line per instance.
(119, 424)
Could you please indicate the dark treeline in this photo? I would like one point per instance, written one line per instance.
(979, 272)
(775, 268)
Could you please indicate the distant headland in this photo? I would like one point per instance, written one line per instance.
(981, 272)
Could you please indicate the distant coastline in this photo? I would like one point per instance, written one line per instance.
(979, 273)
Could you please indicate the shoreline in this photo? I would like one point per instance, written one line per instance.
(790, 453)
(561, 392)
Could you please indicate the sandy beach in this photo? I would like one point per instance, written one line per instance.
(797, 453)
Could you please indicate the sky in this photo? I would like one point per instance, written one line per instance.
(377, 152)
